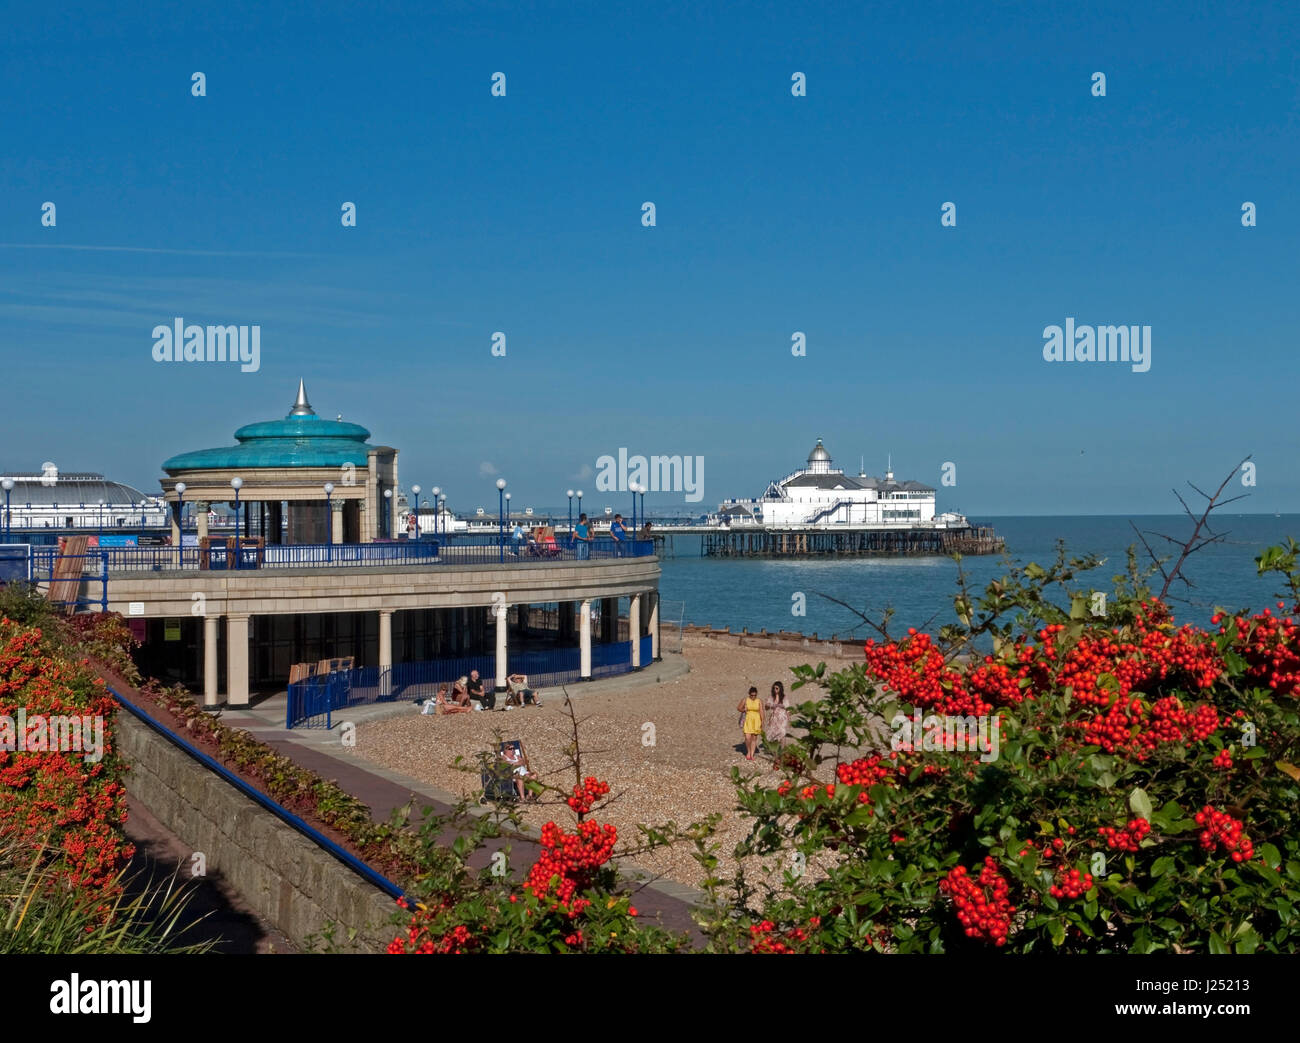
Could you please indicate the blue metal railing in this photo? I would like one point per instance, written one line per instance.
(610, 659)
(94, 569)
(15, 563)
(312, 701)
(647, 650)
(402, 552)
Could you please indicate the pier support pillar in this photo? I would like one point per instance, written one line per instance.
(237, 660)
(584, 641)
(634, 629)
(654, 625)
(210, 639)
(502, 613)
(385, 639)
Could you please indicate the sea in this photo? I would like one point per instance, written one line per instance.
(769, 593)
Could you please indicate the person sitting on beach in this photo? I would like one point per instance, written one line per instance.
(443, 706)
(460, 692)
(520, 693)
(487, 700)
(513, 754)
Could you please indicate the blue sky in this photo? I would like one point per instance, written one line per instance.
(775, 214)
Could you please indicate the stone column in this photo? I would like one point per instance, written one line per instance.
(503, 625)
(654, 625)
(386, 650)
(584, 640)
(176, 533)
(237, 660)
(634, 628)
(201, 516)
(210, 639)
(336, 521)
(385, 638)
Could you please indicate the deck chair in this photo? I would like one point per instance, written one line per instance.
(498, 783)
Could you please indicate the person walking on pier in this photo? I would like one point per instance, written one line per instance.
(752, 721)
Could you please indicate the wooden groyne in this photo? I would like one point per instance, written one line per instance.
(802, 543)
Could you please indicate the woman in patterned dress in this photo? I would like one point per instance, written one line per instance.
(777, 716)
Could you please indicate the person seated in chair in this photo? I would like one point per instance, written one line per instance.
(520, 693)
(513, 754)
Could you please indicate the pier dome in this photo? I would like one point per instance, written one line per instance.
(819, 460)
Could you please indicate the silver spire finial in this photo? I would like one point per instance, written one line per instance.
(301, 407)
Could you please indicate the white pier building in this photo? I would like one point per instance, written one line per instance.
(820, 496)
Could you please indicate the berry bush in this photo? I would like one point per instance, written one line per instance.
(1136, 792)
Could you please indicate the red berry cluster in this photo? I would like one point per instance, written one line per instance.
(865, 771)
(586, 795)
(418, 941)
(1223, 759)
(1100, 671)
(568, 862)
(1271, 648)
(983, 906)
(1127, 839)
(1222, 828)
(915, 668)
(1071, 883)
(763, 937)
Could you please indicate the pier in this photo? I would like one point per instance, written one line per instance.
(808, 543)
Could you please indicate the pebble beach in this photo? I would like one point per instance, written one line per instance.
(666, 749)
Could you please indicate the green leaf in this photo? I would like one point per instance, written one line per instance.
(1217, 946)
(1140, 803)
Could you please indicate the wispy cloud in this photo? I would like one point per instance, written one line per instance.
(584, 472)
(486, 469)
(152, 250)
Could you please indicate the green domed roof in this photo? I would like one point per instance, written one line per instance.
(301, 439)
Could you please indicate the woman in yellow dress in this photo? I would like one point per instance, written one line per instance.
(752, 723)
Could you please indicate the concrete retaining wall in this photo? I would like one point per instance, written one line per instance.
(281, 874)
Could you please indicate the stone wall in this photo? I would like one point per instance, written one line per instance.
(282, 875)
